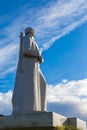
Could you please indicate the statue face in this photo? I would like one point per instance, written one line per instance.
(30, 34)
(29, 31)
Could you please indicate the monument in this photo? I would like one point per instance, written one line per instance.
(29, 93)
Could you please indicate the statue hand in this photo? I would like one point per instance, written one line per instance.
(40, 59)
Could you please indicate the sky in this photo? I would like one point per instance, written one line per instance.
(60, 31)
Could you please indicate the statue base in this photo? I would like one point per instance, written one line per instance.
(40, 120)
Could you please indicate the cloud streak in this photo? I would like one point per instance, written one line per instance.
(51, 23)
(61, 18)
(54, 20)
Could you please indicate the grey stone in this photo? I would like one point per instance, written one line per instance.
(29, 93)
(40, 119)
(32, 120)
(78, 123)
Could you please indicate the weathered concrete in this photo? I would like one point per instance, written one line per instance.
(29, 93)
(75, 122)
(31, 120)
(40, 119)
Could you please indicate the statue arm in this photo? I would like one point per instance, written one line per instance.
(28, 52)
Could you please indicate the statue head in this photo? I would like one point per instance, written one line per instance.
(29, 31)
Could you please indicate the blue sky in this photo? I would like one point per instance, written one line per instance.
(61, 28)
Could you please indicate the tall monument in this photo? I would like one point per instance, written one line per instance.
(29, 93)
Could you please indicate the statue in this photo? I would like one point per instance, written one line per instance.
(29, 93)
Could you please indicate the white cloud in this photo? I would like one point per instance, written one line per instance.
(69, 109)
(68, 98)
(5, 103)
(68, 91)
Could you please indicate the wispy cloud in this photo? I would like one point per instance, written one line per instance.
(61, 18)
(8, 71)
(7, 58)
(52, 22)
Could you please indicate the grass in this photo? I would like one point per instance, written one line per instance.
(43, 128)
(67, 128)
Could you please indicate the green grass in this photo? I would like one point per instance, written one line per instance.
(67, 128)
(44, 128)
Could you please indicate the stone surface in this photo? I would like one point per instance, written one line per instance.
(32, 120)
(76, 122)
(40, 119)
(30, 86)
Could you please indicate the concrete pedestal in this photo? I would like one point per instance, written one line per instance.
(32, 120)
(40, 120)
(78, 123)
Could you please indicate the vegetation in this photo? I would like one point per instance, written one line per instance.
(44, 128)
(67, 128)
